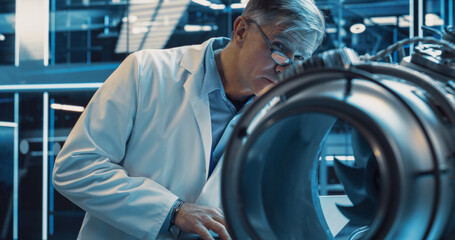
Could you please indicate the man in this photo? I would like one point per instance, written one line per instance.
(141, 159)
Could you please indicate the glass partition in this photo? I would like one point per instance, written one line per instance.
(6, 179)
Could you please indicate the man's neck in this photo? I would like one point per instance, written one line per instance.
(226, 65)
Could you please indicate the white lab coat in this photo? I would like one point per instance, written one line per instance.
(143, 141)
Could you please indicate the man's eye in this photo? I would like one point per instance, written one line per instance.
(279, 45)
(299, 58)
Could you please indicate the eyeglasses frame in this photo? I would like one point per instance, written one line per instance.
(287, 62)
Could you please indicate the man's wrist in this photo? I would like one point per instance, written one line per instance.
(175, 210)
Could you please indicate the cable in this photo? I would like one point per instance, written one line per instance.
(448, 46)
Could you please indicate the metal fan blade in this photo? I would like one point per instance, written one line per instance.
(352, 179)
(361, 148)
(360, 214)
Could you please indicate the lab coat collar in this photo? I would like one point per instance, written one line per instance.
(212, 78)
(193, 62)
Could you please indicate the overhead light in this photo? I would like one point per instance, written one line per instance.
(2, 37)
(341, 158)
(217, 6)
(192, 28)
(388, 20)
(207, 28)
(139, 30)
(148, 23)
(331, 30)
(8, 124)
(202, 2)
(432, 19)
(65, 107)
(137, 2)
(238, 5)
(402, 21)
(357, 28)
(130, 19)
(51, 86)
(199, 28)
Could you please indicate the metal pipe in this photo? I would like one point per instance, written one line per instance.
(46, 33)
(17, 37)
(50, 87)
(53, 7)
(45, 163)
(89, 40)
(51, 166)
(416, 12)
(16, 167)
(340, 22)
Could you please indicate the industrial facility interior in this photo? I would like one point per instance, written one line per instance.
(373, 163)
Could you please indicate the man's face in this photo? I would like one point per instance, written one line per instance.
(258, 71)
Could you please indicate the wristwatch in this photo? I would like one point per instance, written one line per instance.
(175, 211)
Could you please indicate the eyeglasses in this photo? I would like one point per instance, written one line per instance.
(277, 56)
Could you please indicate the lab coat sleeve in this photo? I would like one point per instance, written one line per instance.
(88, 169)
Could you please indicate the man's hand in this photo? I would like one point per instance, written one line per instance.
(200, 219)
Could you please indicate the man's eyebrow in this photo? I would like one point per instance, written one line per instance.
(285, 41)
(289, 45)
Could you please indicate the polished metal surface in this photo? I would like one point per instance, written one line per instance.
(270, 185)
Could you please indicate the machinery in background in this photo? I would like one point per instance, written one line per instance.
(402, 117)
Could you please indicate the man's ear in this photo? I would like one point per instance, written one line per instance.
(240, 31)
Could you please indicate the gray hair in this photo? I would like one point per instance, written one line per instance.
(298, 18)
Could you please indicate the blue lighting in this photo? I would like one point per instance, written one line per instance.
(45, 161)
(58, 86)
(16, 167)
(8, 124)
(51, 166)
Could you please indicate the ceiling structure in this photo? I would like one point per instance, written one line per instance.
(149, 24)
(91, 37)
(89, 31)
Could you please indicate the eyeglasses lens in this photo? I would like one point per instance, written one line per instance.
(280, 58)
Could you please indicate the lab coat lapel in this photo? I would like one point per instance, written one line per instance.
(192, 62)
(211, 193)
(220, 147)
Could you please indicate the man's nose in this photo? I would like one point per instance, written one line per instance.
(280, 69)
